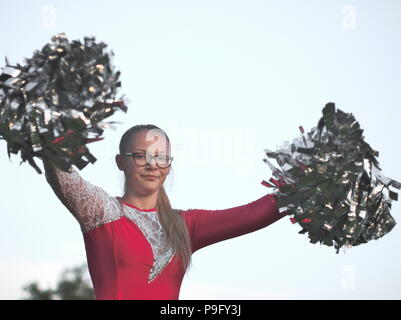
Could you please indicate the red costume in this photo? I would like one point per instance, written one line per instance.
(124, 244)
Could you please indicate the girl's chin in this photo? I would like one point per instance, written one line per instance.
(150, 186)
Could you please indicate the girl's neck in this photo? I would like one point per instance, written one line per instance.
(145, 203)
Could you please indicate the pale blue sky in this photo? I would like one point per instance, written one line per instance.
(224, 79)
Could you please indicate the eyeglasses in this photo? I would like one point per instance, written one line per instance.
(140, 159)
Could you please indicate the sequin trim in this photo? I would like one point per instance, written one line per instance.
(103, 223)
(149, 224)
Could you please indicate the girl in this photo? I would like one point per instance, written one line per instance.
(138, 246)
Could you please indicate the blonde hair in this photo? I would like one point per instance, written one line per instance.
(173, 224)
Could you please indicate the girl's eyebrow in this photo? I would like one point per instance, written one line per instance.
(161, 152)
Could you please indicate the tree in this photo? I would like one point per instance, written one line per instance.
(72, 285)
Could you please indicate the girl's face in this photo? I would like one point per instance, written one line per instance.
(154, 143)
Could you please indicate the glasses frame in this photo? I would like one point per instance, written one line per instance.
(132, 154)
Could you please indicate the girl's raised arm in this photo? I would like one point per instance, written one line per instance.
(89, 204)
(210, 226)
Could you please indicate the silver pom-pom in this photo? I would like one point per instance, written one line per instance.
(333, 185)
(54, 104)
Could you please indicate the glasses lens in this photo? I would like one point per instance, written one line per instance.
(139, 159)
(161, 161)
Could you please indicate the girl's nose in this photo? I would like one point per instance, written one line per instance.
(151, 162)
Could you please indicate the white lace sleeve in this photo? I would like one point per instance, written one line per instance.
(89, 204)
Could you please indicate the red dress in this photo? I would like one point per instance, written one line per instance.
(124, 244)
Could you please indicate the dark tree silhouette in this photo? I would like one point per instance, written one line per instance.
(72, 285)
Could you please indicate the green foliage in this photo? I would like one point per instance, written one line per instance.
(72, 285)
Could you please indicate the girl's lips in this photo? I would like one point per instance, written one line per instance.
(150, 177)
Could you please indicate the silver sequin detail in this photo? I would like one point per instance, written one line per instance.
(149, 224)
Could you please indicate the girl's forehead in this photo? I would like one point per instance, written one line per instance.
(150, 141)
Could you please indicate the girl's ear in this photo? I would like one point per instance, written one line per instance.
(119, 160)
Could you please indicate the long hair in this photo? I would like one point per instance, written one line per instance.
(173, 224)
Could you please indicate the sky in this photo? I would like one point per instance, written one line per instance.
(225, 80)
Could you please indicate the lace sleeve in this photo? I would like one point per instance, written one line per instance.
(90, 205)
